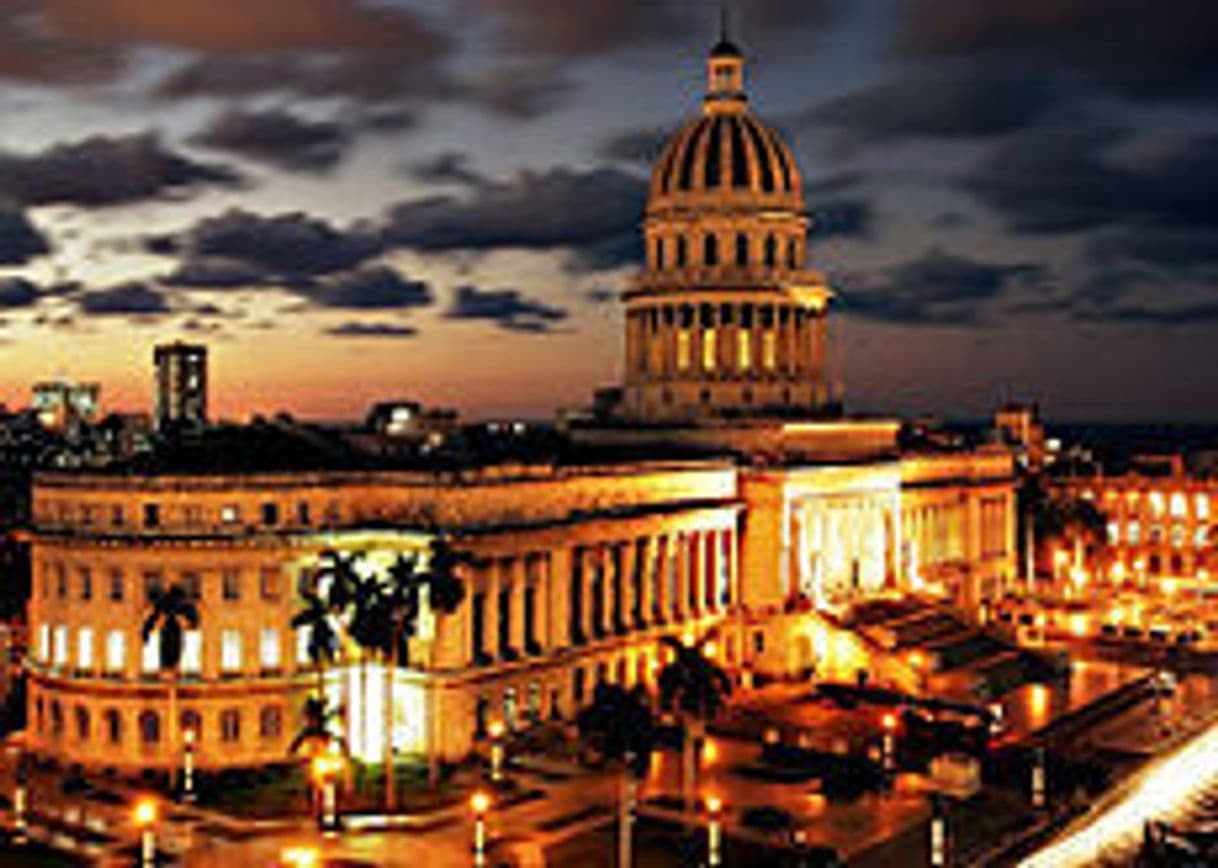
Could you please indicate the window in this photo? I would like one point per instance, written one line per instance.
(117, 519)
(303, 514)
(660, 253)
(1179, 505)
(150, 655)
(114, 726)
(192, 721)
(792, 254)
(84, 648)
(230, 725)
(116, 651)
(744, 350)
(86, 584)
(682, 251)
(230, 514)
(82, 723)
(269, 580)
(759, 642)
(1156, 502)
(1135, 533)
(742, 249)
(1201, 536)
(270, 514)
(192, 584)
(152, 515)
(44, 643)
(61, 581)
(116, 585)
(769, 350)
(1114, 532)
(56, 718)
(683, 350)
(150, 727)
(709, 349)
(270, 722)
(710, 250)
(192, 515)
(231, 585)
(192, 652)
(230, 651)
(268, 648)
(302, 647)
(1202, 506)
(59, 647)
(152, 584)
(771, 251)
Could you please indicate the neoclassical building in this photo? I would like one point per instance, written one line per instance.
(574, 571)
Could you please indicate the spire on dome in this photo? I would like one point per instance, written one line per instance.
(725, 68)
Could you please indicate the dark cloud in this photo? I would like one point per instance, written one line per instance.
(127, 299)
(844, 218)
(277, 137)
(1163, 49)
(507, 308)
(938, 288)
(372, 330)
(105, 170)
(371, 288)
(20, 240)
(447, 167)
(559, 208)
(281, 248)
(1178, 248)
(1204, 313)
(215, 272)
(520, 90)
(959, 103)
(1069, 179)
(640, 147)
(17, 292)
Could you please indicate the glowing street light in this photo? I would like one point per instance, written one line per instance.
(145, 817)
(20, 823)
(481, 803)
(300, 857)
(1038, 779)
(714, 843)
(325, 771)
(497, 731)
(888, 742)
(188, 764)
(938, 836)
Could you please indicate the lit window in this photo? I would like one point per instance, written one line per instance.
(1156, 502)
(1135, 533)
(230, 725)
(744, 350)
(192, 652)
(231, 585)
(59, 650)
(1114, 532)
(1177, 535)
(769, 350)
(270, 583)
(116, 651)
(1179, 505)
(44, 643)
(302, 647)
(1201, 537)
(230, 651)
(268, 648)
(683, 350)
(270, 722)
(150, 656)
(1202, 506)
(230, 514)
(709, 349)
(84, 648)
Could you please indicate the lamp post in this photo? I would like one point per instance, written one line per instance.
(325, 770)
(888, 742)
(21, 827)
(188, 764)
(145, 816)
(497, 730)
(1038, 779)
(481, 803)
(300, 857)
(938, 835)
(714, 833)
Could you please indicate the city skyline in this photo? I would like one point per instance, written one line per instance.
(438, 200)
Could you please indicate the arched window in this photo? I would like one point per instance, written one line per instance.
(710, 250)
(56, 718)
(660, 253)
(114, 726)
(82, 723)
(792, 253)
(742, 249)
(270, 722)
(150, 727)
(230, 725)
(192, 721)
(682, 251)
(771, 251)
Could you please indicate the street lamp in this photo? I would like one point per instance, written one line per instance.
(145, 816)
(497, 730)
(938, 835)
(325, 769)
(888, 743)
(714, 844)
(300, 857)
(1038, 779)
(481, 803)
(20, 823)
(188, 764)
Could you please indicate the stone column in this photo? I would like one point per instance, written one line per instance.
(680, 555)
(587, 564)
(519, 579)
(629, 565)
(490, 618)
(734, 592)
(558, 604)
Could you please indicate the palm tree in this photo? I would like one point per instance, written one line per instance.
(619, 726)
(1048, 517)
(318, 618)
(445, 592)
(317, 732)
(365, 612)
(168, 611)
(335, 581)
(695, 687)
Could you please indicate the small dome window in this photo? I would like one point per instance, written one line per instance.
(742, 249)
(710, 251)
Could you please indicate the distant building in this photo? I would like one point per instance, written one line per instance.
(181, 386)
(1019, 425)
(65, 407)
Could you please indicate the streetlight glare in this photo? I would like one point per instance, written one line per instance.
(145, 812)
(480, 802)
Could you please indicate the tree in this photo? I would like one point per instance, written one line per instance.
(1058, 518)
(318, 618)
(619, 726)
(317, 732)
(695, 687)
(168, 611)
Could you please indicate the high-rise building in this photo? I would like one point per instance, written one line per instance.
(64, 406)
(181, 386)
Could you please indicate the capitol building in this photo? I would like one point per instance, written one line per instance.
(749, 506)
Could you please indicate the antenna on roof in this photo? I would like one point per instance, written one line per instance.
(723, 22)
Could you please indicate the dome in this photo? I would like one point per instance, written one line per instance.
(726, 153)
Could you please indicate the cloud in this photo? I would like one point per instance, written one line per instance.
(1162, 49)
(938, 288)
(278, 137)
(127, 299)
(588, 212)
(507, 308)
(105, 170)
(281, 248)
(640, 147)
(842, 218)
(17, 292)
(20, 240)
(372, 330)
(517, 90)
(215, 272)
(1204, 313)
(959, 103)
(370, 288)
(447, 167)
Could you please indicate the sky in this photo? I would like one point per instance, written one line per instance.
(359, 200)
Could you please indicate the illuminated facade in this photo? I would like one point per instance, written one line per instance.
(575, 572)
(181, 386)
